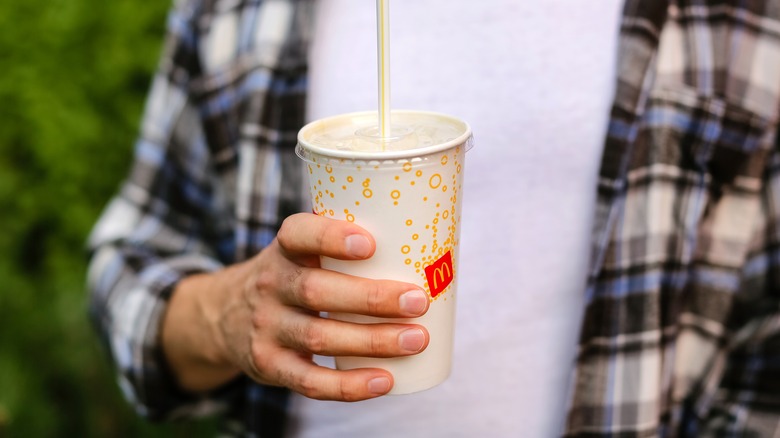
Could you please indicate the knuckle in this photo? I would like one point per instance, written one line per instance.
(376, 343)
(260, 362)
(265, 280)
(374, 297)
(305, 288)
(314, 340)
(308, 385)
(347, 392)
(286, 231)
(257, 360)
(321, 237)
(260, 320)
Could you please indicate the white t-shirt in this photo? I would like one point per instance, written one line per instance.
(535, 81)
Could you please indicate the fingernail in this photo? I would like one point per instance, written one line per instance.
(358, 245)
(412, 340)
(413, 302)
(379, 385)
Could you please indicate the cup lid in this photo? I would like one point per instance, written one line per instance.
(356, 135)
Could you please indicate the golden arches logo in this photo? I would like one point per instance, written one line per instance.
(440, 274)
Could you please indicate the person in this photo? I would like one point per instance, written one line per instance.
(619, 256)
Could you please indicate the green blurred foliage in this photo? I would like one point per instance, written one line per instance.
(73, 76)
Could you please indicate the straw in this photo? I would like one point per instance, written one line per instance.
(383, 61)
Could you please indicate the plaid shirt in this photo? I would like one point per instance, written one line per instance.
(681, 335)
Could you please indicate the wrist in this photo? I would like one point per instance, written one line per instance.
(193, 344)
(218, 296)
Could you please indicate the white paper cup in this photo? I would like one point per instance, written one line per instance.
(409, 198)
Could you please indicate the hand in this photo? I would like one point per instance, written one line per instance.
(269, 326)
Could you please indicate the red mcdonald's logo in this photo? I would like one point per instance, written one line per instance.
(440, 274)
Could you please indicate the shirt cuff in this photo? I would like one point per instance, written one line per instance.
(130, 316)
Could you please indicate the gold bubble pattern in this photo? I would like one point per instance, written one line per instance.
(412, 189)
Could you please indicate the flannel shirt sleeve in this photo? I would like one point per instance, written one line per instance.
(168, 220)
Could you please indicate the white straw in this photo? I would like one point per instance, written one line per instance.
(383, 58)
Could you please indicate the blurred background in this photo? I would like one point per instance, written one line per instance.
(73, 77)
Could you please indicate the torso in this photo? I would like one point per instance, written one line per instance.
(535, 81)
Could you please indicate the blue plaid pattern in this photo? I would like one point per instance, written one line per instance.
(680, 331)
(682, 318)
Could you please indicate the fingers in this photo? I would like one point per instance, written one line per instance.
(308, 234)
(328, 337)
(288, 292)
(328, 291)
(305, 377)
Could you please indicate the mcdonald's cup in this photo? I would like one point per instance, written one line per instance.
(407, 192)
